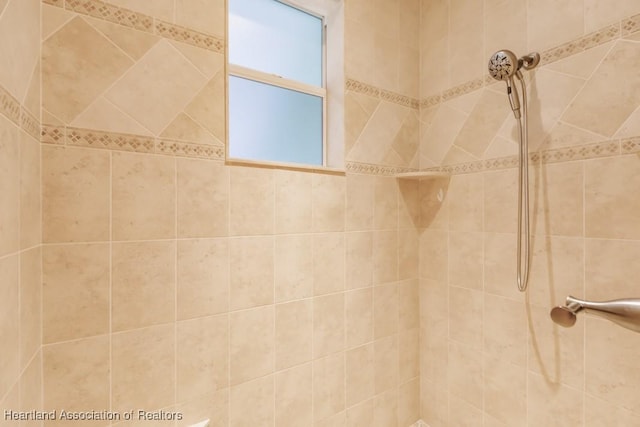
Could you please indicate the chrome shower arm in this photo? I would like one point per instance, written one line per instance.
(624, 312)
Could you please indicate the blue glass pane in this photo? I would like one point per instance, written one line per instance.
(272, 123)
(275, 38)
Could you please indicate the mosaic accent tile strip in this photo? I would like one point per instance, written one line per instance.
(630, 145)
(419, 423)
(108, 12)
(590, 151)
(630, 25)
(386, 95)
(185, 35)
(369, 169)
(185, 149)
(612, 32)
(9, 106)
(52, 134)
(108, 140)
(128, 18)
(59, 135)
(30, 124)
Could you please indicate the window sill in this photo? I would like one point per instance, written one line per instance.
(285, 166)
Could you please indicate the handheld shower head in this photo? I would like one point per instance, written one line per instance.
(503, 65)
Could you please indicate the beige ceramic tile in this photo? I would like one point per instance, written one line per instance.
(434, 255)
(209, 63)
(203, 199)
(500, 265)
(552, 22)
(202, 277)
(434, 404)
(409, 204)
(293, 333)
(328, 325)
(328, 386)
(105, 116)
(557, 269)
(434, 203)
(461, 413)
(466, 316)
(162, 9)
(602, 107)
(143, 288)
(75, 291)
(78, 64)
(360, 202)
(385, 409)
(11, 402)
(9, 327)
(358, 111)
(555, 352)
(9, 187)
(293, 264)
(360, 415)
(598, 13)
(202, 356)
(30, 192)
(504, 329)
(134, 43)
(504, 20)
(75, 195)
(436, 140)
(328, 202)
(599, 413)
(465, 374)
(20, 35)
(53, 18)
(143, 364)
(76, 376)
(360, 370)
(358, 317)
(31, 388)
(409, 403)
(611, 368)
(386, 359)
(385, 310)
(184, 128)
(293, 397)
(610, 212)
(582, 64)
(143, 197)
(465, 260)
(252, 349)
(252, 403)
(610, 268)
(293, 202)
(213, 406)
(434, 80)
(208, 107)
(144, 91)
(552, 404)
(408, 304)
(252, 272)
(202, 15)
(30, 304)
(501, 201)
(409, 354)
(328, 263)
(385, 206)
(465, 203)
(359, 259)
(466, 59)
(385, 256)
(359, 48)
(252, 201)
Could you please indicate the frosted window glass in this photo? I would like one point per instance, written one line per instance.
(275, 38)
(272, 123)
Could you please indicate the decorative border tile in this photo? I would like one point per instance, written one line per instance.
(129, 18)
(30, 124)
(386, 95)
(611, 32)
(419, 423)
(60, 135)
(185, 35)
(630, 145)
(9, 106)
(370, 169)
(108, 12)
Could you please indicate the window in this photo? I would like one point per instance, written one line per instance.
(277, 95)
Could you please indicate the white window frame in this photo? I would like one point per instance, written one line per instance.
(234, 70)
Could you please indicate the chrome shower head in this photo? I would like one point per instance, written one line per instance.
(503, 65)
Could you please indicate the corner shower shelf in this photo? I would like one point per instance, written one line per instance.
(422, 175)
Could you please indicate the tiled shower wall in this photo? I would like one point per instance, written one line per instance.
(250, 296)
(20, 237)
(490, 355)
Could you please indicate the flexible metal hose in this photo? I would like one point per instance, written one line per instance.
(523, 194)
